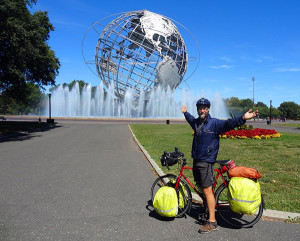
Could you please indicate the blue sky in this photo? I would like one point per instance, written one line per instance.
(238, 40)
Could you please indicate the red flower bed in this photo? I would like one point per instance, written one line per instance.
(257, 132)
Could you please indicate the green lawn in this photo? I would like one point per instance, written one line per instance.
(295, 125)
(278, 159)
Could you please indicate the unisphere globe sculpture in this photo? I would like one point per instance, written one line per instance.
(140, 50)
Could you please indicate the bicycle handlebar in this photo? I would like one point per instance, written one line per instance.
(171, 158)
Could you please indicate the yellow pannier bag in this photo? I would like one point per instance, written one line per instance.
(244, 195)
(165, 202)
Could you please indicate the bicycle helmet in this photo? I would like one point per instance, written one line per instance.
(203, 102)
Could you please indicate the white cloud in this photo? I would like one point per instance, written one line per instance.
(285, 69)
(226, 59)
(264, 58)
(223, 66)
(70, 24)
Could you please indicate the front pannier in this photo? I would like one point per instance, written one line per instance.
(165, 202)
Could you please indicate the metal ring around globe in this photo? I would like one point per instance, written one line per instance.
(92, 26)
(197, 46)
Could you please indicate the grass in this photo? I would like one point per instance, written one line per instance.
(14, 127)
(278, 159)
(293, 220)
(294, 125)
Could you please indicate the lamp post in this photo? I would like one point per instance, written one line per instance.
(50, 120)
(253, 79)
(270, 111)
(49, 106)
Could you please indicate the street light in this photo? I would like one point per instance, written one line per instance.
(253, 79)
(50, 120)
(270, 111)
(49, 106)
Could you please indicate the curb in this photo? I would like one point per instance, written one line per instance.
(268, 213)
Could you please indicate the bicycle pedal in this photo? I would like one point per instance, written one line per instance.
(202, 216)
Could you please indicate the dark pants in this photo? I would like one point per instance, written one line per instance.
(204, 174)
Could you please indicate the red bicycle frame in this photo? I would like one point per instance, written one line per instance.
(219, 174)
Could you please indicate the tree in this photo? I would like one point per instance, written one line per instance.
(34, 98)
(290, 110)
(261, 104)
(263, 112)
(25, 56)
(275, 113)
(234, 106)
(238, 107)
(246, 103)
(233, 101)
(81, 84)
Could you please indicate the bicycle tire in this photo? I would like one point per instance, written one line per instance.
(170, 180)
(235, 219)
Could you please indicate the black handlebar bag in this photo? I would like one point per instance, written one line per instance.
(170, 158)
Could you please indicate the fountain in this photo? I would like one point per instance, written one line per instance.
(160, 103)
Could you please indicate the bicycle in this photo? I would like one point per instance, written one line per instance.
(181, 184)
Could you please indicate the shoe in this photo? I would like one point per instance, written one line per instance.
(208, 227)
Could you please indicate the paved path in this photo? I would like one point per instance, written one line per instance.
(91, 182)
(78, 120)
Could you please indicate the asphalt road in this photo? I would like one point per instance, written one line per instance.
(69, 120)
(91, 182)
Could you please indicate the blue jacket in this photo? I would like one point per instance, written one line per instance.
(206, 142)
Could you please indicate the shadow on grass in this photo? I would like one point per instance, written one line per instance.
(23, 130)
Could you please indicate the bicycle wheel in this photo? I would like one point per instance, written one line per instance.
(235, 219)
(183, 192)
